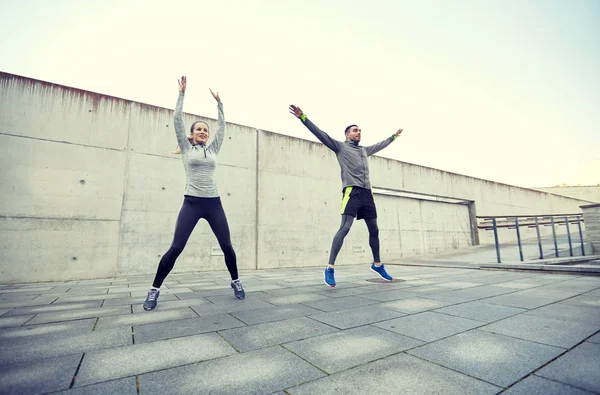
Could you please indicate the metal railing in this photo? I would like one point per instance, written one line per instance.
(533, 221)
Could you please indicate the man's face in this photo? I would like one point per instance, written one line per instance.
(353, 134)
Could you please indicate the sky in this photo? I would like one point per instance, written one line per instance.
(507, 91)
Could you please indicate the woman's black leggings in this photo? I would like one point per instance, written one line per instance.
(192, 210)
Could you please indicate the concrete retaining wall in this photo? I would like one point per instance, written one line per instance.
(90, 189)
(590, 193)
(591, 216)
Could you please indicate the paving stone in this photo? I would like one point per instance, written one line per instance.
(595, 292)
(55, 307)
(260, 287)
(46, 375)
(135, 301)
(212, 309)
(460, 284)
(8, 322)
(229, 298)
(126, 386)
(352, 347)
(566, 312)
(272, 333)
(469, 294)
(357, 316)
(191, 326)
(17, 303)
(85, 325)
(98, 366)
(336, 304)
(87, 298)
(516, 285)
(46, 341)
(386, 296)
(362, 290)
(497, 359)
(534, 385)
(545, 330)
(479, 311)
(25, 290)
(259, 372)
(295, 298)
(169, 291)
(549, 292)
(79, 314)
(133, 289)
(203, 294)
(296, 291)
(525, 302)
(578, 367)
(428, 326)
(398, 374)
(584, 301)
(148, 317)
(595, 338)
(414, 305)
(270, 314)
(4, 298)
(138, 308)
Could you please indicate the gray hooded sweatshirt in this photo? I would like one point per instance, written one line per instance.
(351, 156)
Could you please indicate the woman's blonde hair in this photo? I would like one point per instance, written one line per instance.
(178, 148)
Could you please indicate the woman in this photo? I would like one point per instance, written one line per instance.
(201, 198)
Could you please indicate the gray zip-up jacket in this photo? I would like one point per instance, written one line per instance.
(199, 161)
(351, 156)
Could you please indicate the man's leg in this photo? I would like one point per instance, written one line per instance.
(368, 211)
(338, 239)
(374, 238)
(336, 245)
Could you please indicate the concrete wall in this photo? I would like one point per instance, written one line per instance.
(90, 189)
(590, 193)
(591, 216)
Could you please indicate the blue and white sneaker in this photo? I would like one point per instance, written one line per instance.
(381, 271)
(328, 276)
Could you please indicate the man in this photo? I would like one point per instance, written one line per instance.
(357, 198)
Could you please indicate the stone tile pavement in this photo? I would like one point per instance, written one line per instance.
(441, 331)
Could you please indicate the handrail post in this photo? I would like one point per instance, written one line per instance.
(581, 236)
(554, 237)
(569, 236)
(496, 240)
(519, 238)
(537, 230)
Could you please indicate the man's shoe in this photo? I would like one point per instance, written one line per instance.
(328, 276)
(151, 299)
(381, 271)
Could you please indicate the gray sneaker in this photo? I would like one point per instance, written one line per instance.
(238, 291)
(151, 299)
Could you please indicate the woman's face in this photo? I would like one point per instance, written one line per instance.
(200, 133)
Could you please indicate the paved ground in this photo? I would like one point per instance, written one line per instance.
(443, 331)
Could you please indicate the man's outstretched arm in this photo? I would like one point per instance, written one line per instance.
(372, 149)
(323, 137)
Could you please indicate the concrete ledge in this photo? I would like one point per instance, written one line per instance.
(545, 268)
(565, 260)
